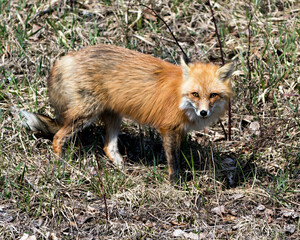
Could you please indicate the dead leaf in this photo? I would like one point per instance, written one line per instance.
(73, 224)
(191, 235)
(261, 207)
(136, 217)
(247, 119)
(166, 227)
(220, 210)
(82, 218)
(233, 212)
(24, 237)
(290, 214)
(183, 234)
(218, 137)
(149, 224)
(36, 31)
(203, 235)
(3, 206)
(254, 128)
(237, 196)
(270, 219)
(148, 14)
(175, 223)
(290, 228)
(53, 236)
(269, 212)
(7, 52)
(89, 195)
(27, 237)
(256, 52)
(230, 218)
(228, 164)
(178, 233)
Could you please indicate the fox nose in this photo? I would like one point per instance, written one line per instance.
(203, 113)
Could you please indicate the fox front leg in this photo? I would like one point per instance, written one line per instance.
(172, 142)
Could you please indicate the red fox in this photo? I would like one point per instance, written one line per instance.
(106, 82)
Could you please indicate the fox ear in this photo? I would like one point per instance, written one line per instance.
(225, 71)
(184, 66)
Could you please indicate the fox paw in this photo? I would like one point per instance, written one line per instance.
(118, 161)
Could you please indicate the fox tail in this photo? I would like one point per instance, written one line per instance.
(37, 123)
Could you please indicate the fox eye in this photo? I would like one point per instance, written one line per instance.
(195, 94)
(213, 95)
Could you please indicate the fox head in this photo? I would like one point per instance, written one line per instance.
(206, 89)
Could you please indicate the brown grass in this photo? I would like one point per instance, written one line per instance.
(50, 198)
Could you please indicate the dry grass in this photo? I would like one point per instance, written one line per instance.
(51, 198)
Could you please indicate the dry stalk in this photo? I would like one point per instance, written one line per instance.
(186, 58)
(217, 33)
(223, 62)
(100, 177)
(249, 48)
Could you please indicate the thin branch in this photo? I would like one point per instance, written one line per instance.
(223, 62)
(30, 184)
(229, 120)
(102, 188)
(217, 33)
(186, 58)
(225, 134)
(100, 177)
(127, 22)
(249, 48)
(249, 66)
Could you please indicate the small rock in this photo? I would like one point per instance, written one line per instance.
(187, 204)
(53, 236)
(233, 212)
(89, 195)
(254, 128)
(149, 224)
(27, 237)
(236, 196)
(182, 234)
(191, 235)
(290, 228)
(269, 212)
(219, 210)
(228, 164)
(236, 227)
(178, 233)
(261, 207)
(290, 214)
(122, 212)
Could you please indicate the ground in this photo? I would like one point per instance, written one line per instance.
(247, 187)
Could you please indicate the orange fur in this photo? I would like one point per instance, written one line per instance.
(108, 82)
(144, 88)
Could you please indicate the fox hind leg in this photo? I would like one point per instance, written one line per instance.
(60, 138)
(112, 122)
(68, 129)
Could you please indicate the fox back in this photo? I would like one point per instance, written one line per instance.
(105, 77)
(136, 85)
(108, 82)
